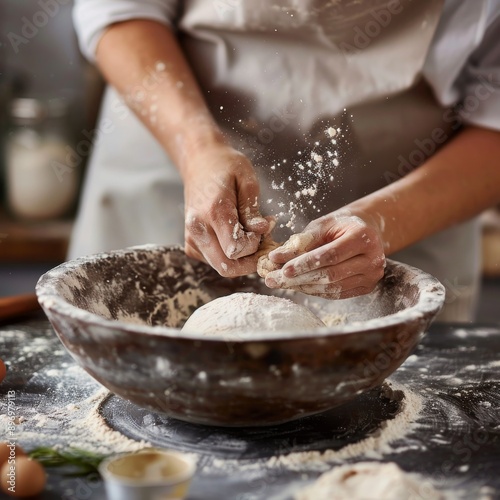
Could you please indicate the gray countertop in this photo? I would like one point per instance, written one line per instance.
(453, 441)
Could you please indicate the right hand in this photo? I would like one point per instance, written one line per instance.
(337, 256)
(223, 224)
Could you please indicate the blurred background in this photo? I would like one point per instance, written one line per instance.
(49, 101)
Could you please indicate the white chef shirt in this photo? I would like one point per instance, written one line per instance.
(462, 65)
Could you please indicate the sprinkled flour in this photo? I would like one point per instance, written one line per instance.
(70, 425)
(313, 171)
(374, 446)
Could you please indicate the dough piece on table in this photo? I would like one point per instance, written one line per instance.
(297, 243)
(369, 480)
(250, 312)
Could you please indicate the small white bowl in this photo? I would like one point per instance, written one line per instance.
(149, 474)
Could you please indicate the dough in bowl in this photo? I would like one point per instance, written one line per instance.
(251, 312)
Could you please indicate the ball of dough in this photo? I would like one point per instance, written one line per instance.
(365, 480)
(251, 312)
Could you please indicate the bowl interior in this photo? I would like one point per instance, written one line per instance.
(160, 287)
(119, 313)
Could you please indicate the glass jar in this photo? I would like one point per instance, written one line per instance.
(40, 181)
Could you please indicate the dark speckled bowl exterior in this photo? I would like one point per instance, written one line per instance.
(118, 314)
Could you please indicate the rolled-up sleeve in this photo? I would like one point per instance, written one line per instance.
(463, 63)
(92, 17)
(480, 82)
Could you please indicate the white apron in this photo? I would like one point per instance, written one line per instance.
(276, 76)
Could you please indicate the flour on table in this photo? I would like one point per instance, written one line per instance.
(372, 447)
(368, 480)
(76, 425)
(251, 312)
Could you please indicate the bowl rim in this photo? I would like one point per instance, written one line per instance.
(430, 302)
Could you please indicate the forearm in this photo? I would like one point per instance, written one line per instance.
(143, 61)
(458, 182)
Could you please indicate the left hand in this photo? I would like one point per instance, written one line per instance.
(337, 256)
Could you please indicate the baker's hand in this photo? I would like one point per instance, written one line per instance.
(223, 224)
(336, 257)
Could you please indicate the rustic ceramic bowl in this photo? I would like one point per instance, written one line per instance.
(119, 314)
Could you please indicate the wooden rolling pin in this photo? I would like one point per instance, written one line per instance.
(11, 307)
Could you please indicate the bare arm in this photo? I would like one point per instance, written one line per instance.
(461, 180)
(143, 60)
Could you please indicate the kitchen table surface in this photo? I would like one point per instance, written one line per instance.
(452, 440)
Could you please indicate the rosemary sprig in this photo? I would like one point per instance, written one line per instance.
(79, 462)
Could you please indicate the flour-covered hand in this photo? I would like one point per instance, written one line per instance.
(223, 225)
(337, 256)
